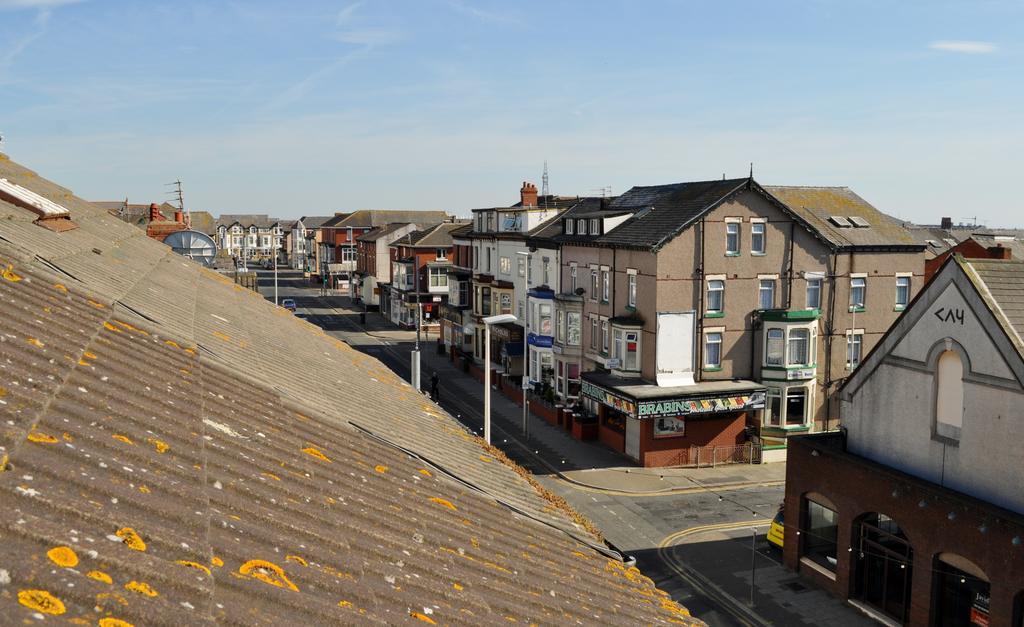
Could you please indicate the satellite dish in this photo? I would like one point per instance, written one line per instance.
(194, 245)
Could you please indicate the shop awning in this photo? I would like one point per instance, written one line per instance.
(645, 400)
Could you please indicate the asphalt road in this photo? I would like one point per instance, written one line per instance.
(696, 546)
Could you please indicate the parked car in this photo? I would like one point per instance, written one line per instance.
(289, 304)
(776, 532)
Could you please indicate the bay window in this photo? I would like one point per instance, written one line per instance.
(799, 347)
(774, 348)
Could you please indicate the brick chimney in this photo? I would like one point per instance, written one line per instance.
(528, 195)
(947, 223)
(154, 212)
(999, 252)
(179, 217)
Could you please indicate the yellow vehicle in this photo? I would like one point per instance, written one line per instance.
(776, 531)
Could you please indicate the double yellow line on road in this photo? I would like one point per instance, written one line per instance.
(698, 582)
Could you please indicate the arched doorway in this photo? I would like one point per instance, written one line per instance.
(882, 565)
(960, 593)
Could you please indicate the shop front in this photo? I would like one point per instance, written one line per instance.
(673, 426)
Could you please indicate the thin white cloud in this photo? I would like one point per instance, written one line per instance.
(964, 47)
(369, 36)
(345, 15)
(8, 55)
(483, 14)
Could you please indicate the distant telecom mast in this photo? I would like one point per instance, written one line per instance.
(545, 191)
(176, 193)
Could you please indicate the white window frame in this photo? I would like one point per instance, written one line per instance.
(755, 225)
(809, 341)
(605, 284)
(560, 326)
(732, 236)
(439, 273)
(604, 336)
(816, 280)
(762, 283)
(859, 282)
(572, 277)
(581, 226)
(716, 284)
(907, 278)
(781, 359)
(631, 287)
(852, 340)
(568, 226)
(594, 284)
(713, 336)
(593, 332)
(595, 226)
(505, 265)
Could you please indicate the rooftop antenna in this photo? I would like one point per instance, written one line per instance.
(544, 190)
(751, 169)
(605, 191)
(176, 192)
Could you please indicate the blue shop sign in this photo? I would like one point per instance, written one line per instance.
(540, 341)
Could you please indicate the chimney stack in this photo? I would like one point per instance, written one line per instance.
(947, 223)
(179, 217)
(154, 212)
(528, 195)
(1000, 252)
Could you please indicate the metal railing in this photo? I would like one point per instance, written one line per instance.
(711, 456)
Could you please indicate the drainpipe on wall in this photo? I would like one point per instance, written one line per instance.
(830, 337)
(699, 348)
(789, 272)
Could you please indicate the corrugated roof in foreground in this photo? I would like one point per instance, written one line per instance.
(176, 450)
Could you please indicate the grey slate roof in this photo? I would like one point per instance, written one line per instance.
(552, 228)
(177, 450)
(376, 217)
(1003, 281)
(437, 236)
(259, 220)
(815, 205)
(312, 222)
(381, 231)
(671, 208)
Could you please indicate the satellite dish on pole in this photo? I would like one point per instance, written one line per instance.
(194, 245)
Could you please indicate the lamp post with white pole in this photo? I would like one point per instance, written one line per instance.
(488, 321)
(526, 344)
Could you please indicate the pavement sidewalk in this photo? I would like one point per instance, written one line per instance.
(585, 464)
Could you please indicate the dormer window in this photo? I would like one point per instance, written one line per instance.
(581, 226)
(595, 226)
(568, 226)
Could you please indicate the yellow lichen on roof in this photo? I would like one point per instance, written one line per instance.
(41, 601)
(195, 565)
(141, 587)
(123, 438)
(110, 621)
(296, 559)
(131, 538)
(267, 572)
(9, 274)
(423, 617)
(40, 437)
(63, 556)
(444, 502)
(99, 575)
(34, 342)
(159, 445)
(314, 452)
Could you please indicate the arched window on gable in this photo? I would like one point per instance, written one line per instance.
(949, 394)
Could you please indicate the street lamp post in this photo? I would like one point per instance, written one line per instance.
(526, 346)
(414, 369)
(488, 321)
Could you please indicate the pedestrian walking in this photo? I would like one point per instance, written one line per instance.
(435, 392)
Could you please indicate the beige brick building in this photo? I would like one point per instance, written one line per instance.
(707, 307)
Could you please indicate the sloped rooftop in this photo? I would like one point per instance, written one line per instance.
(177, 450)
(1001, 282)
(818, 205)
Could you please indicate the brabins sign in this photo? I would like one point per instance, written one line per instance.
(677, 407)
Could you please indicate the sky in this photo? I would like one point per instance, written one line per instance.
(306, 108)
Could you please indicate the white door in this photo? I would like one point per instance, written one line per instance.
(633, 438)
